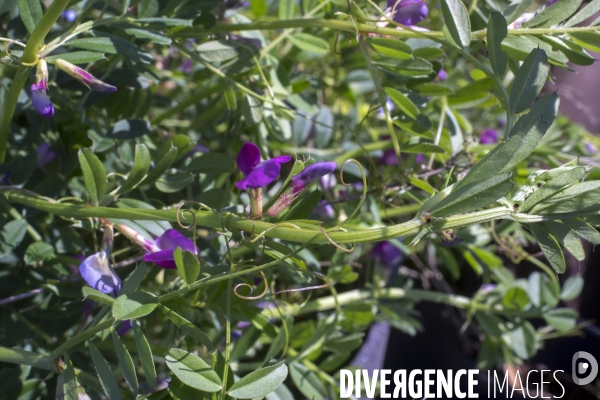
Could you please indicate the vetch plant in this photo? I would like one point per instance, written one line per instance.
(389, 105)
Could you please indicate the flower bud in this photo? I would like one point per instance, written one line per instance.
(84, 77)
(39, 99)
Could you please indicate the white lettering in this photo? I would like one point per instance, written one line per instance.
(444, 383)
(400, 383)
(497, 383)
(384, 383)
(529, 384)
(370, 385)
(346, 391)
(459, 394)
(472, 383)
(542, 385)
(412, 384)
(518, 386)
(557, 381)
(428, 382)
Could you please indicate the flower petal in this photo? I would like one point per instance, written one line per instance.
(310, 173)
(163, 258)
(248, 157)
(172, 239)
(41, 102)
(408, 12)
(265, 173)
(97, 273)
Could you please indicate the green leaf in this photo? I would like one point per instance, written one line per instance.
(324, 124)
(473, 196)
(187, 265)
(586, 12)
(69, 388)
(165, 162)
(529, 81)
(550, 248)
(589, 40)
(134, 305)
(574, 198)
(228, 94)
(174, 182)
(428, 53)
(523, 138)
(433, 89)
(345, 344)
(134, 279)
(457, 21)
(416, 67)
(218, 50)
(522, 7)
(303, 208)
(286, 9)
(186, 326)
(31, 13)
(572, 288)
(212, 163)
(259, 7)
(574, 52)
(144, 354)
(310, 43)
(550, 16)
(126, 363)
(78, 57)
(147, 8)
(562, 319)
(141, 165)
(97, 296)
(148, 35)
(112, 44)
(107, 379)
(497, 30)
(403, 102)
(193, 371)
(419, 145)
(38, 252)
(14, 232)
(259, 383)
(252, 110)
(393, 48)
(553, 186)
(94, 174)
(583, 230)
(515, 298)
(307, 382)
(566, 237)
(129, 129)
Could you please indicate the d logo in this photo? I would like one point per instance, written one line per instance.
(581, 367)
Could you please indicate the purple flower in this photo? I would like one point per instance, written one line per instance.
(488, 287)
(408, 12)
(85, 77)
(386, 253)
(420, 158)
(550, 2)
(40, 100)
(126, 326)
(325, 210)
(488, 136)
(247, 41)
(257, 174)
(69, 15)
(160, 250)
(44, 154)
(442, 75)
(389, 157)
(310, 173)
(98, 273)
(299, 183)
(590, 148)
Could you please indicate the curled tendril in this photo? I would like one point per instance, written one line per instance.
(224, 218)
(277, 225)
(307, 288)
(181, 214)
(260, 296)
(7, 51)
(364, 189)
(324, 232)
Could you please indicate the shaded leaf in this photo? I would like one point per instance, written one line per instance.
(186, 326)
(107, 379)
(457, 21)
(144, 354)
(529, 81)
(497, 30)
(550, 248)
(193, 371)
(259, 383)
(94, 174)
(134, 305)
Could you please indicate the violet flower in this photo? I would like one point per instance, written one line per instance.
(408, 12)
(550, 3)
(126, 326)
(69, 15)
(39, 99)
(386, 253)
(257, 174)
(160, 250)
(299, 183)
(84, 77)
(96, 269)
(44, 155)
(389, 157)
(590, 148)
(488, 136)
(442, 75)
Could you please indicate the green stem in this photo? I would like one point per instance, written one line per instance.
(30, 56)
(23, 357)
(362, 29)
(285, 231)
(83, 336)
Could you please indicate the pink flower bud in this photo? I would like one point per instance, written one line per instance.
(84, 77)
